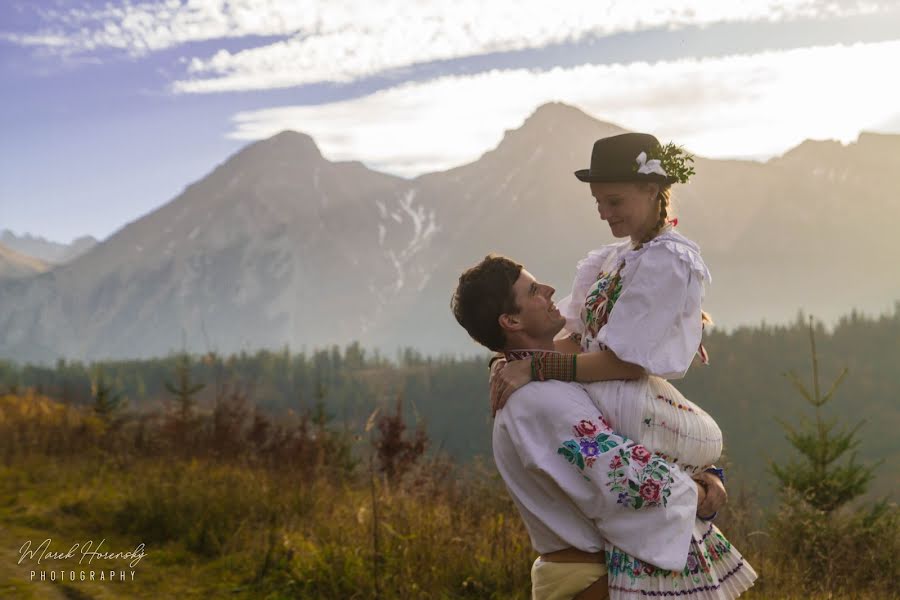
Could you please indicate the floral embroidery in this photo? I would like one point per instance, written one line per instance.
(585, 428)
(640, 478)
(698, 570)
(650, 480)
(677, 405)
(592, 441)
(649, 423)
(600, 301)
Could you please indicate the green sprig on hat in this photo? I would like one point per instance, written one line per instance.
(674, 161)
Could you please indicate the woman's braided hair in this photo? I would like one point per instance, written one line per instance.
(663, 197)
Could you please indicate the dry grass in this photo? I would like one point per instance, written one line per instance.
(248, 523)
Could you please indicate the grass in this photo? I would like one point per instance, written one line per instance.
(328, 523)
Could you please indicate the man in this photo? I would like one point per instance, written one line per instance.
(565, 468)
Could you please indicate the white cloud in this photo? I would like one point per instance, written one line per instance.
(747, 105)
(341, 40)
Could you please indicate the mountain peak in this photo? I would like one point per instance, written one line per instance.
(289, 148)
(292, 143)
(556, 120)
(557, 110)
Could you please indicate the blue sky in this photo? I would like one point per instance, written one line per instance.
(110, 109)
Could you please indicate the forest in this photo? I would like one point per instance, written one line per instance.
(345, 474)
(744, 387)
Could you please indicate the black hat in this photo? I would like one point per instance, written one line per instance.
(615, 158)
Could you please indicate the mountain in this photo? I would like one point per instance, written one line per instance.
(14, 264)
(280, 246)
(47, 251)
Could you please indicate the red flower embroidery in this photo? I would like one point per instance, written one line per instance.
(650, 491)
(615, 463)
(585, 428)
(640, 454)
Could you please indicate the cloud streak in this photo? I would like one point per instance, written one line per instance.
(749, 105)
(344, 40)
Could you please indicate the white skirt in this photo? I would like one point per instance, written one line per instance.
(715, 570)
(653, 413)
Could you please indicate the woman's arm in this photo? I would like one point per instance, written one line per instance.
(590, 366)
(568, 345)
(605, 365)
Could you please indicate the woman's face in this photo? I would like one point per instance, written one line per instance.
(631, 209)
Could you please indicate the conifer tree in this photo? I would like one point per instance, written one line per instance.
(184, 391)
(106, 402)
(821, 477)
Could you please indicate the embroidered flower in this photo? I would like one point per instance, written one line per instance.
(589, 448)
(650, 490)
(585, 428)
(640, 454)
(693, 565)
(637, 567)
(600, 300)
(640, 479)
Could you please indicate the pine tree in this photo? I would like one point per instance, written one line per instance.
(184, 391)
(106, 403)
(821, 478)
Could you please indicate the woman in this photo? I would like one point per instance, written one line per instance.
(641, 299)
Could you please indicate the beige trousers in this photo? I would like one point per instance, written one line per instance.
(562, 581)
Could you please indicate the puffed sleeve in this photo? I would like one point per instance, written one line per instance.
(656, 321)
(586, 272)
(637, 501)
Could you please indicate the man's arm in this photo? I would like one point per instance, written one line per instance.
(638, 501)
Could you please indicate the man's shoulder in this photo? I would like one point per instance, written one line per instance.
(542, 399)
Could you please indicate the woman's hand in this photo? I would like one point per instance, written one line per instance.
(507, 379)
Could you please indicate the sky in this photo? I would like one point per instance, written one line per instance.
(110, 109)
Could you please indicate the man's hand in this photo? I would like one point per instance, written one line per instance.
(506, 379)
(714, 498)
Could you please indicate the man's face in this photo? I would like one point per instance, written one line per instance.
(538, 317)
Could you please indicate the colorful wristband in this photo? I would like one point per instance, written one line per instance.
(552, 365)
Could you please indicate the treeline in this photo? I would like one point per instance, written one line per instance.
(743, 388)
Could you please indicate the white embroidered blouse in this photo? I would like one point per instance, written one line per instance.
(643, 304)
(578, 484)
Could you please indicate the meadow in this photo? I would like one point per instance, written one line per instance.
(251, 508)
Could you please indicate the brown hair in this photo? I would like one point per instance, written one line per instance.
(483, 294)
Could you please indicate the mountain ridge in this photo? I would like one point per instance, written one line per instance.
(278, 245)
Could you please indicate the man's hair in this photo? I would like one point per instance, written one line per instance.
(484, 293)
